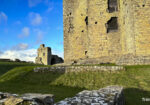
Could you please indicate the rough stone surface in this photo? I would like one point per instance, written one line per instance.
(27, 99)
(112, 95)
(45, 56)
(107, 30)
(133, 60)
(65, 69)
(13, 101)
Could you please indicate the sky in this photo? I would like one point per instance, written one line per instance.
(25, 24)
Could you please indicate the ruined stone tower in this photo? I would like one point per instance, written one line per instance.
(45, 56)
(115, 31)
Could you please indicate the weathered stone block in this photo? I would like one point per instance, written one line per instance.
(111, 95)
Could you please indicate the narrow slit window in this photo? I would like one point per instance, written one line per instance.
(86, 20)
(86, 52)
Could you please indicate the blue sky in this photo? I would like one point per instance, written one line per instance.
(25, 24)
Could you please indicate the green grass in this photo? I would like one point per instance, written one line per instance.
(135, 80)
(23, 80)
(6, 66)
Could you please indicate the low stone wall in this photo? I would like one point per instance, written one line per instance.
(65, 69)
(112, 95)
(26, 99)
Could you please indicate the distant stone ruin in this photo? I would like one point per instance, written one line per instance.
(45, 56)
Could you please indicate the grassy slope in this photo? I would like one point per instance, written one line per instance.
(6, 66)
(23, 80)
(136, 81)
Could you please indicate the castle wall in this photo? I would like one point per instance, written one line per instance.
(142, 27)
(86, 34)
(102, 43)
(85, 31)
(127, 27)
(135, 27)
(75, 30)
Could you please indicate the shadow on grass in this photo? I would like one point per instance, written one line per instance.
(24, 80)
(135, 96)
(31, 82)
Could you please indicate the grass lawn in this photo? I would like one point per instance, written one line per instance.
(21, 79)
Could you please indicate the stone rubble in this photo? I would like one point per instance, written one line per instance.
(29, 98)
(112, 95)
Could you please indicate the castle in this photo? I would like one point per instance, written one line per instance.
(107, 31)
(45, 56)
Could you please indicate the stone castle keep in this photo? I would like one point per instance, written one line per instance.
(114, 31)
(45, 56)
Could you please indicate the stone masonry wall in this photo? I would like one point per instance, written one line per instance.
(111, 95)
(75, 29)
(44, 55)
(141, 10)
(86, 34)
(66, 69)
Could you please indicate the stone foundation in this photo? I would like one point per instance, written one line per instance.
(130, 59)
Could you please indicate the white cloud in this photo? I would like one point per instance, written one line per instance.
(3, 17)
(21, 46)
(25, 32)
(35, 18)
(33, 3)
(24, 55)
